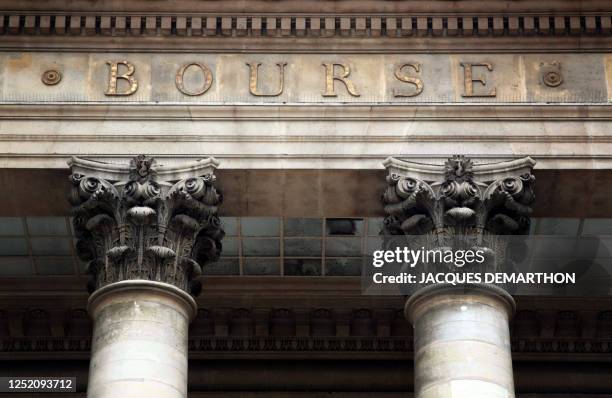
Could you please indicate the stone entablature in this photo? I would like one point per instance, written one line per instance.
(146, 222)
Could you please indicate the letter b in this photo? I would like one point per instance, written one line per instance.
(114, 76)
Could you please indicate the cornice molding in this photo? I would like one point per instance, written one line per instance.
(560, 136)
(306, 45)
(310, 6)
(393, 24)
(138, 111)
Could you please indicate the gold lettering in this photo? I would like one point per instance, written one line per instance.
(114, 76)
(469, 80)
(254, 67)
(418, 83)
(330, 78)
(208, 78)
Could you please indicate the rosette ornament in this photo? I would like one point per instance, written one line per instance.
(146, 222)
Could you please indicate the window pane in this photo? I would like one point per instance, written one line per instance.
(553, 247)
(343, 266)
(593, 247)
(344, 226)
(303, 227)
(261, 247)
(11, 226)
(262, 266)
(51, 246)
(54, 266)
(223, 266)
(374, 244)
(343, 247)
(230, 247)
(260, 226)
(13, 247)
(558, 226)
(47, 226)
(375, 225)
(303, 247)
(303, 267)
(15, 266)
(230, 225)
(597, 226)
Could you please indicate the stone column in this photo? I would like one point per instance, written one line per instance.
(461, 342)
(144, 231)
(461, 334)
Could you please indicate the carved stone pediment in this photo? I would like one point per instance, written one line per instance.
(146, 221)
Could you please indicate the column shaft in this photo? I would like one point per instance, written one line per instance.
(462, 342)
(139, 346)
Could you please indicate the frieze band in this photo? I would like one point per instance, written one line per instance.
(307, 78)
(230, 331)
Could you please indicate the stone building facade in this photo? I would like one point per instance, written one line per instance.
(191, 190)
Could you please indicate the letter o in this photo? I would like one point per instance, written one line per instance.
(208, 78)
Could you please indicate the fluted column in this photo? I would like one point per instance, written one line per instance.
(461, 333)
(144, 231)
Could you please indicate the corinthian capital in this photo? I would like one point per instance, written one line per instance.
(145, 221)
(460, 201)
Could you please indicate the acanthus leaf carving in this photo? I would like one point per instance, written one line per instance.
(458, 205)
(142, 228)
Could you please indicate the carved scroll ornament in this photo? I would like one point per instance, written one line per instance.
(144, 228)
(460, 207)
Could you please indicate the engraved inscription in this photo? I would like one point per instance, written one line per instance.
(402, 76)
(288, 78)
(114, 76)
(208, 79)
(331, 77)
(253, 86)
(469, 79)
